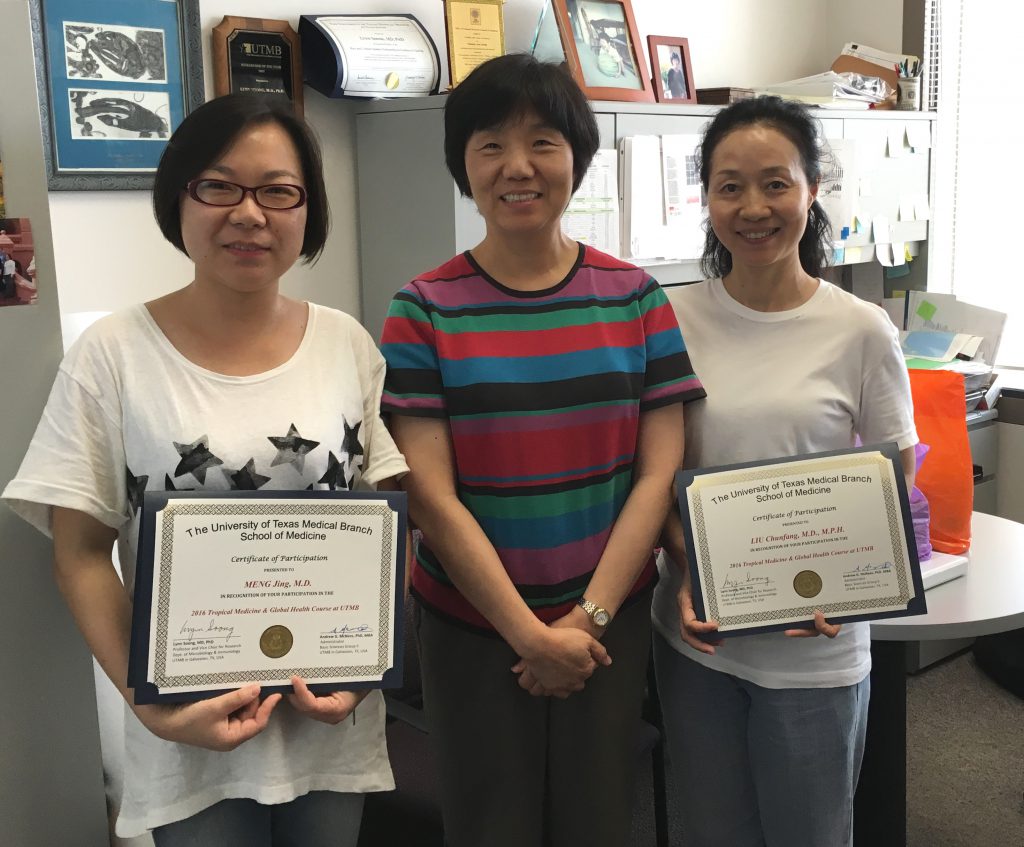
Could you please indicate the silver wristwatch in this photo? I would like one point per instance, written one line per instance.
(599, 616)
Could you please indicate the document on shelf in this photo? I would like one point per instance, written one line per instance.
(938, 346)
(592, 216)
(770, 543)
(263, 586)
(837, 185)
(662, 214)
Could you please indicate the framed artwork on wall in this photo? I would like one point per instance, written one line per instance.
(673, 75)
(600, 41)
(115, 78)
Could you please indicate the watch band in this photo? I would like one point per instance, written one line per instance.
(599, 616)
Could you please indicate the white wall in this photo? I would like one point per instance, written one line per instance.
(1009, 491)
(110, 254)
(877, 23)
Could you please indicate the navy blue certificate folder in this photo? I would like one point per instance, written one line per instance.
(139, 673)
(916, 605)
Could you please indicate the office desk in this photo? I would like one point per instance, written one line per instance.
(989, 598)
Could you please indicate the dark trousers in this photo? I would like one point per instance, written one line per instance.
(527, 771)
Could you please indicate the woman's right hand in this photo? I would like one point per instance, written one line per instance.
(561, 663)
(690, 628)
(221, 723)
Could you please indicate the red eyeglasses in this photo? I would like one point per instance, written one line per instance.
(220, 192)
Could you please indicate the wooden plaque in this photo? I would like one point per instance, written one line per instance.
(257, 56)
(476, 33)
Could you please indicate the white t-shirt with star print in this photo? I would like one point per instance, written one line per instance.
(129, 413)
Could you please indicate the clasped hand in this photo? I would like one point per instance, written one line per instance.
(224, 722)
(565, 659)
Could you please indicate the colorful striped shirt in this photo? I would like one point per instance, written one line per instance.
(543, 392)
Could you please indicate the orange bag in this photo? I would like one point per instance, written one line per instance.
(946, 476)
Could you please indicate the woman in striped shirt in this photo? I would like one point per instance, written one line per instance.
(535, 386)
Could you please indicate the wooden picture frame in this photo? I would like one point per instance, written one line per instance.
(602, 49)
(671, 70)
(115, 78)
(257, 56)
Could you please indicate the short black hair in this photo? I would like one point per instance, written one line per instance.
(208, 132)
(507, 87)
(795, 122)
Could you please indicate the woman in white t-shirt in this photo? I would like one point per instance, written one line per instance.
(224, 384)
(766, 732)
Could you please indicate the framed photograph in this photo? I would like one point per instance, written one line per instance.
(673, 76)
(115, 79)
(600, 41)
(17, 263)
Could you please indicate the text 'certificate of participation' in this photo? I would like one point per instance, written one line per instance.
(770, 543)
(232, 590)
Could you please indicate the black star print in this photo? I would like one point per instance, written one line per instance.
(136, 486)
(246, 478)
(335, 476)
(170, 486)
(196, 459)
(291, 448)
(351, 445)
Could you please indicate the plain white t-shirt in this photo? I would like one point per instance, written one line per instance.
(783, 384)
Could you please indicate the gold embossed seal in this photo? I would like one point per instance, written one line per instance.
(276, 641)
(807, 584)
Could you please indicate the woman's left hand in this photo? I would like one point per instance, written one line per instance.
(332, 708)
(821, 627)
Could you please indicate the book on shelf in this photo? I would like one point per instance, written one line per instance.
(722, 96)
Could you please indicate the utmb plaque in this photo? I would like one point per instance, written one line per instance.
(257, 56)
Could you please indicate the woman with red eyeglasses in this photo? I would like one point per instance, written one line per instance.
(224, 384)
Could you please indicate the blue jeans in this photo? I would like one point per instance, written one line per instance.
(760, 766)
(317, 819)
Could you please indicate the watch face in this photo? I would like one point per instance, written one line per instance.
(601, 617)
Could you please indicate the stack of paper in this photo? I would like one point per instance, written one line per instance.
(944, 333)
(825, 90)
(944, 313)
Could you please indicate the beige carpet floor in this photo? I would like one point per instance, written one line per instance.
(965, 759)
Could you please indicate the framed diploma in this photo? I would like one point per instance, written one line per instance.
(257, 56)
(369, 56)
(262, 586)
(769, 543)
(475, 32)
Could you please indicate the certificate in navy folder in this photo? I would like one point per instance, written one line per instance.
(260, 586)
(771, 542)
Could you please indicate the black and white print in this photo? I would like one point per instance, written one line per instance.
(117, 53)
(105, 115)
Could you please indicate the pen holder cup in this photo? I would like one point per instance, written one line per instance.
(908, 97)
